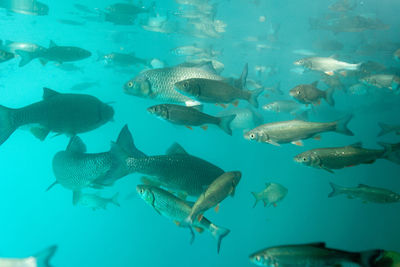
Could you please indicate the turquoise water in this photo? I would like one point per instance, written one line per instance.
(134, 234)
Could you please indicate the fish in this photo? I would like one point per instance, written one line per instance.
(125, 13)
(304, 52)
(69, 114)
(388, 128)
(94, 201)
(84, 9)
(310, 94)
(190, 116)
(216, 65)
(69, 67)
(366, 193)
(26, 7)
(397, 55)
(83, 86)
(294, 131)
(343, 5)
(159, 84)
(176, 209)
(41, 259)
(217, 191)
(272, 194)
(246, 118)
(177, 170)
(71, 22)
(191, 50)
(219, 92)
(76, 169)
(327, 45)
(333, 81)
(348, 156)
(5, 56)
(389, 81)
(122, 59)
(12, 47)
(313, 255)
(358, 89)
(285, 106)
(55, 53)
(327, 65)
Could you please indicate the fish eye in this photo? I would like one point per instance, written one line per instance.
(130, 84)
(304, 159)
(258, 258)
(252, 136)
(141, 191)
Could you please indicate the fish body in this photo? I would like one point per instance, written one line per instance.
(294, 131)
(5, 56)
(83, 86)
(41, 259)
(12, 47)
(328, 65)
(125, 13)
(271, 195)
(310, 94)
(366, 193)
(190, 116)
(348, 23)
(189, 50)
(196, 62)
(159, 84)
(60, 113)
(122, 59)
(94, 201)
(388, 81)
(285, 106)
(388, 128)
(245, 118)
(26, 7)
(176, 209)
(312, 255)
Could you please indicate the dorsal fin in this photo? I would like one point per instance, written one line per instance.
(317, 244)
(315, 84)
(52, 44)
(241, 82)
(267, 184)
(48, 93)
(176, 149)
(76, 145)
(125, 142)
(358, 145)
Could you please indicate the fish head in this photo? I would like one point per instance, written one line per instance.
(189, 87)
(106, 112)
(159, 110)
(253, 135)
(306, 158)
(146, 193)
(299, 62)
(41, 9)
(138, 86)
(262, 259)
(297, 92)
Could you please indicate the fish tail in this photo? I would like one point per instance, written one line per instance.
(43, 258)
(385, 128)
(26, 57)
(125, 142)
(7, 124)
(114, 199)
(225, 123)
(219, 233)
(336, 190)
(370, 257)
(256, 197)
(254, 95)
(329, 96)
(341, 126)
(391, 152)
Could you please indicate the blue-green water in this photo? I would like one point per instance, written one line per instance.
(134, 234)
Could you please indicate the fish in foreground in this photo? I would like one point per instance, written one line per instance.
(69, 114)
(294, 131)
(272, 194)
(313, 255)
(159, 84)
(366, 193)
(388, 128)
(310, 94)
(177, 170)
(246, 118)
(190, 116)
(41, 259)
(75, 169)
(94, 201)
(328, 65)
(176, 209)
(218, 92)
(347, 156)
(390, 81)
(59, 54)
(217, 191)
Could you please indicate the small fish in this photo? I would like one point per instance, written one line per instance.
(216, 192)
(190, 116)
(122, 59)
(84, 86)
(285, 106)
(313, 255)
(328, 65)
(60, 113)
(310, 94)
(304, 52)
(94, 201)
(366, 193)
(176, 209)
(5, 56)
(272, 194)
(389, 81)
(348, 156)
(192, 50)
(294, 131)
(71, 22)
(41, 259)
(388, 128)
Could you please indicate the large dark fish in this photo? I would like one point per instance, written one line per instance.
(75, 169)
(313, 255)
(177, 171)
(190, 116)
(61, 113)
(59, 54)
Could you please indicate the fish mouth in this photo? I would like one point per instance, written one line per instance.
(297, 63)
(292, 93)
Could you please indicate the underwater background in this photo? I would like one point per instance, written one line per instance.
(134, 234)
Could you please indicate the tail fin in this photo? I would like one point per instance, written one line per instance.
(114, 200)
(385, 128)
(225, 123)
(125, 142)
(219, 233)
(254, 95)
(43, 258)
(241, 82)
(256, 197)
(329, 96)
(336, 190)
(370, 257)
(341, 126)
(392, 152)
(7, 126)
(26, 57)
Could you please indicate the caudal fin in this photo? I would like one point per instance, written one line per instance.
(392, 152)
(336, 190)
(26, 57)
(254, 95)
(219, 233)
(256, 197)
(385, 128)
(329, 96)
(371, 257)
(7, 126)
(43, 258)
(125, 142)
(225, 123)
(114, 200)
(341, 126)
